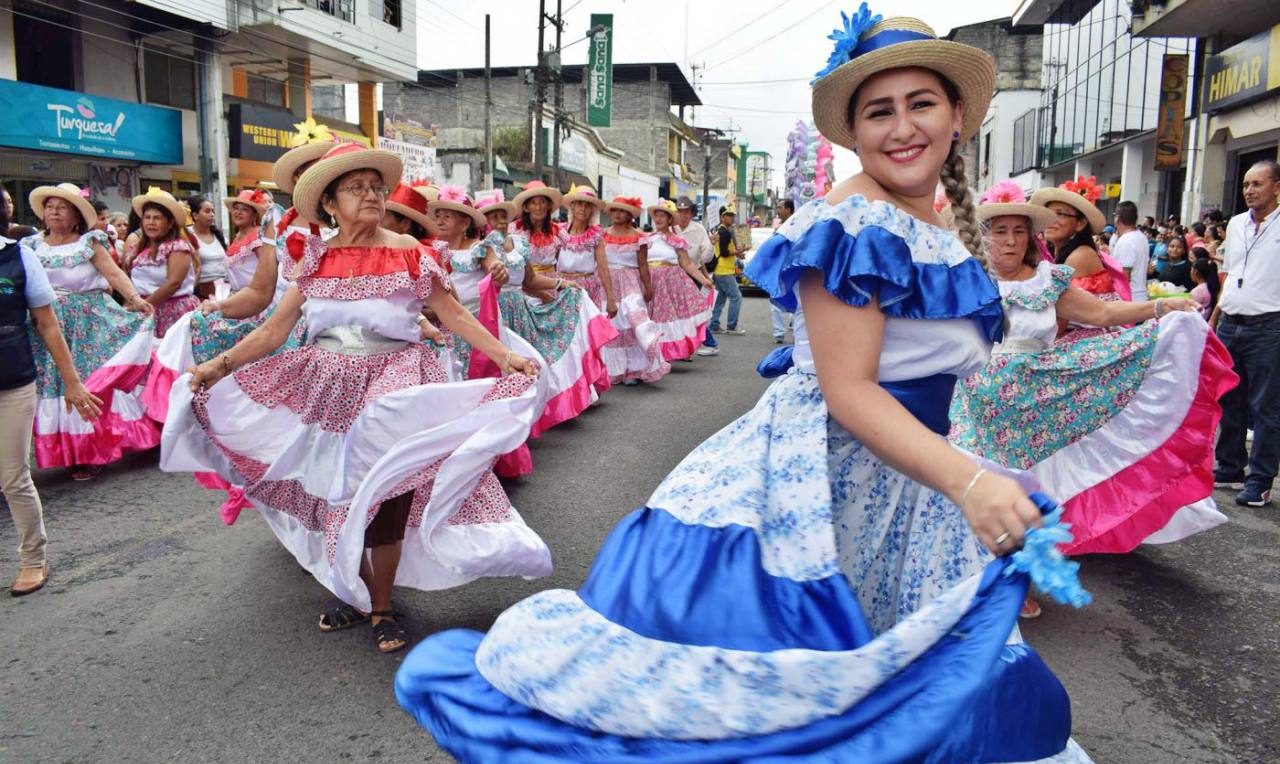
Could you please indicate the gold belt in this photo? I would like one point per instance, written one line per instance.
(540, 268)
(572, 275)
(661, 264)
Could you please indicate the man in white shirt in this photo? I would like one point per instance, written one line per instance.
(1129, 248)
(700, 251)
(1248, 323)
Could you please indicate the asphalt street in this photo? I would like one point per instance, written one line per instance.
(166, 636)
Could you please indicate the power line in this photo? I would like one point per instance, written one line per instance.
(772, 37)
(456, 16)
(759, 18)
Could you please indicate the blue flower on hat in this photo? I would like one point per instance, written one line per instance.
(846, 38)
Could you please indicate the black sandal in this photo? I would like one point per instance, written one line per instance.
(341, 616)
(388, 632)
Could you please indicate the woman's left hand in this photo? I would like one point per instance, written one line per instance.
(518, 363)
(1177, 303)
(499, 273)
(429, 331)
(77, 398)
(139, 305)
(648, 294)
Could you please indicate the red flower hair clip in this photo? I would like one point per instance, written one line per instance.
(1086, 187)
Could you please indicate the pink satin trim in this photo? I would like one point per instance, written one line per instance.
(577, 399)
(1121, 285)
(1116, 515)
(517, 463)
(122, 377)
(111, 439)
(155, 396)
(683, 348)
(489, 316)
(236, 500)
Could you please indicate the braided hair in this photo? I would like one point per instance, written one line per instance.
(956, 186)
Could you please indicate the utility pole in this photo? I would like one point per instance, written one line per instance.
(540, 80)
(555, 132)
(488, 107)
(706, 180)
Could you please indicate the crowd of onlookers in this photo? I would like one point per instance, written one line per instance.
(1188, 257)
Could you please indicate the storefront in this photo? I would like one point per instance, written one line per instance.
(1242, 95)
(61, 136)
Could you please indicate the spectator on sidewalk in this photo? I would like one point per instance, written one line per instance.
(1248, 322)
(725, 273)
(781, 320)
(701, 252)
(1129, 248)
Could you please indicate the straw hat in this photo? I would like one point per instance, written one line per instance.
(583, 194)
(454, 198)
(1008, 198)
(338, 161)
(409, 202)
(664, 205)
(630, 204)
(311, 142)
(255, 198)
(494, 200)
(867, 44)
(537, 188)
(68, 192)
(1080, 194)
(157, 195)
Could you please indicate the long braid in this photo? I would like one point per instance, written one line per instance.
(956, 187)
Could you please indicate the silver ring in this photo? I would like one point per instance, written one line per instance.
(1003, 537)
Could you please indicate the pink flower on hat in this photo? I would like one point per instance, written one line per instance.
(456, 194)
(487, 198)
(1005, 192)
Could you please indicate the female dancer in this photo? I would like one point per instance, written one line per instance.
(1119, 426)
(211, 249)
(824, 598)
(110, 345)
(636, 355)
(555, 316)
(535, 204)
(578, 261)
(1076, 219)
(29, 295)
(368, 466)
(407, 212)
(163, 266)
(681, 303)
(1204, 272)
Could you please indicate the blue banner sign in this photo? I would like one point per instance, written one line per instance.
(48, 119)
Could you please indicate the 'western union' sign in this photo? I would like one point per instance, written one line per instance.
(1243, 71)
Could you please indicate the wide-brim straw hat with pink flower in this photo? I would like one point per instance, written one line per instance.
(455, 199)
(583, 194)
(1008, 198)
(255, 198)
(537, 188)
(1081, 194)
(68, 192)
(630, 204)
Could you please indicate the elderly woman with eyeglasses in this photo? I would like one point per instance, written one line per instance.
(369, 466)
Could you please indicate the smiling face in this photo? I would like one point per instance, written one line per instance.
(242, 216)
(156, 223)
(60, 216)
(903, 123)
(1067, 222)
(359, 199)
(1260, 188)
(1007, 240)
(538, 208)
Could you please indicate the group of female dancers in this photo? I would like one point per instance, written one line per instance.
(835, 576)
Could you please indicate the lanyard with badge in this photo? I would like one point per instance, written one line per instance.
(1245, 265)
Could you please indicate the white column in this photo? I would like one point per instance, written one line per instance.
(1132, 176)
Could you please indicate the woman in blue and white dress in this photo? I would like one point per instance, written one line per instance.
(831, 595)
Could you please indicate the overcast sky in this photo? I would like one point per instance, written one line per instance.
(758, 54)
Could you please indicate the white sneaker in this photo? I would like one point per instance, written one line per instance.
(705, 350)
(735, 332)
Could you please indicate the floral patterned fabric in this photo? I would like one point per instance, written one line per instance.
(213, 334)
(548, 326)
(1025, 406)
(95, 328)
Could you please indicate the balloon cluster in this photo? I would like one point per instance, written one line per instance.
(808, 170)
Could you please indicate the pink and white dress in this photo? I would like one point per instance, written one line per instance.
(636, 355)
(321, 435)
(110, 348)
(576, 261)
(680, 307)
(150, 270)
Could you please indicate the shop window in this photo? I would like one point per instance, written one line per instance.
(170, 81)
(986, 155)
(46, 49)
(329, 101)
(343, 9)
(265, 90)
(1024, 142)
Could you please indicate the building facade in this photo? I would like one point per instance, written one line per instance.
(202, 94)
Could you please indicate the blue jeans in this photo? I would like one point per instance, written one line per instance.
(726, 289)
(1255, 351)
(779, 319)
(710, 340)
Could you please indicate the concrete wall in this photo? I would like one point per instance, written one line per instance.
(1018, 54)
(109, 67)
(1006, 108)
(369, 40)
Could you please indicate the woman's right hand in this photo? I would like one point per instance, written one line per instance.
(139, 305)
(209, 306)
(611, 308)
(207, 374)
(997, 505)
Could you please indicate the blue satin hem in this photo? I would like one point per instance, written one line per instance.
(701, 585)
(877, 263)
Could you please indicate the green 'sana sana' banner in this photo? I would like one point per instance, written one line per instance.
(600, 72)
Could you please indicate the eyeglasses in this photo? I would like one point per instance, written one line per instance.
(359, 189)
(1067, 215)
